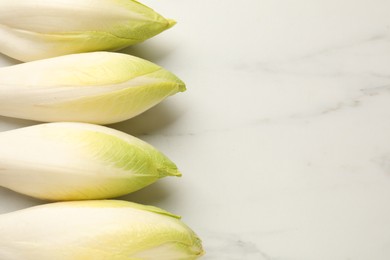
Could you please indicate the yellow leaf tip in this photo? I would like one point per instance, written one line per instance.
(171, 23)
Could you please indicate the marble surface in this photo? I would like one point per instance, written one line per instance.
(283, 135)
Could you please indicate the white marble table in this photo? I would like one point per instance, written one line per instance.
(283, 136)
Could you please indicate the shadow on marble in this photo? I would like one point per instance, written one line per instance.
(150, 195)
(12, 201)
(151, 121)
(152, 51)
(8, 123)
(156, 118)
(8, 60)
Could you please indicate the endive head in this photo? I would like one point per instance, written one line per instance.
(115, 230)
(77, 161)
(38, 29)
(98, 87)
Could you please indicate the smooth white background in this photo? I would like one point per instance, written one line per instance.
(283, 135)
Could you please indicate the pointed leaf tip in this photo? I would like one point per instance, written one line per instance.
(171, 23)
